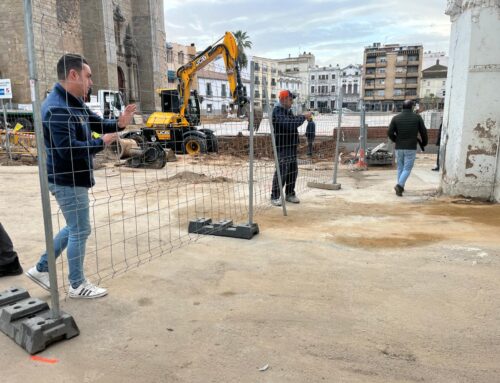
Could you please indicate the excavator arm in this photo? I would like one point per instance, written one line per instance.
(228, 49)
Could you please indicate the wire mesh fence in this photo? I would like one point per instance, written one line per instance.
(127, 183)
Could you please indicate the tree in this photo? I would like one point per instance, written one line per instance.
(243, 41)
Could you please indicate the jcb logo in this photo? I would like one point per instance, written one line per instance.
(201, 59)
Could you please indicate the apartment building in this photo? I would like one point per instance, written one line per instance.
(177, 56)
(391, 75)
(265, 80)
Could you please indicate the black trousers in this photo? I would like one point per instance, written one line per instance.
(310, 143)
(7, 253)
(289, 169)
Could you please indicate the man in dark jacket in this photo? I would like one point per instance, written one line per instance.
(403, 130)
(286, 131)
(9, 261)
(67, 127)
(310, 135)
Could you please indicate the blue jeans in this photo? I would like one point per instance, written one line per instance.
(74, 204)
(406, 159)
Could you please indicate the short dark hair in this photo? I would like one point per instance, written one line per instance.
(67, 62)
(408, 104)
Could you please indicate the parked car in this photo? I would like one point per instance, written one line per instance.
(344, 110)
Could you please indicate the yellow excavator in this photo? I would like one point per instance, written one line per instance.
(176, 124)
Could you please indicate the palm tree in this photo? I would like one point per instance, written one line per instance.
(243, 41)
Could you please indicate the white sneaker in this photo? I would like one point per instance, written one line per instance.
(292, 199)
(276, 202)
(87, 290)
(40, 278)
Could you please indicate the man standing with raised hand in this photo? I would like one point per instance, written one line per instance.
(67, 127)
(286, 126)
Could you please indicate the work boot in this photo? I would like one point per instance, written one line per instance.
(10, 269)
(399, 190)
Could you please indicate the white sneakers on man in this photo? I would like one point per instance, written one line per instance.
(87, 290)
(40, 278)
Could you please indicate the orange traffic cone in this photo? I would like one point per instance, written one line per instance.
(361, 164)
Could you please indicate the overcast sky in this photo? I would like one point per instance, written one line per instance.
(335, 31)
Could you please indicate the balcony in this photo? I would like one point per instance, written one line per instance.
(370, 65)
(398, 86)
(381, 64)
(413, 86)
(399, 97)
(380, 75)
(402, 63)
(371, 86)
(411, 74)
(400, 74)
(370, 75)
(413, 62)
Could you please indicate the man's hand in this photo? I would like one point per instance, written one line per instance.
(308, 116)
(109, 138)
(127, 116)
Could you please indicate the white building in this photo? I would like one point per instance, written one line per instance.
(351, 86)
(430, 59)
(213, 87)
(433, 86)
(325, 84)
(298, 67)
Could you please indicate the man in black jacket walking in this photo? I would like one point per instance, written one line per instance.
(286, 126)
(403, 130)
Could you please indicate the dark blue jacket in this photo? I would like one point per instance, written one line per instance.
(286, 128)
(311, 130)
(67, 129)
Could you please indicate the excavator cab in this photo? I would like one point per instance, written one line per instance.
(170, 103)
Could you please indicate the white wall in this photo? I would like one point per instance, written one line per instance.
(471, 126)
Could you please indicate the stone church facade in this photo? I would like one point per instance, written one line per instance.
(123, 40)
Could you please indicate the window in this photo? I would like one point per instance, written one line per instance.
(380, 70)
(444, 93)
(257, 94)
(381, 93)
(209, 89)
(257, 80)
(170, 55)
(311, 104)
(333, 88)
(180, 58)
(357, 73)
(355, 89)
(349, 89)
(398, 81)
(312, 89)
(368, 93)
(398, 92)
(381, 81)
(444, 83)
(312, 77)
(411, 92)
(223, 91)
(209, 108)
(333, 77)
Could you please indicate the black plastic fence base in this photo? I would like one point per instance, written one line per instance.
(28, 321)
(223, 228)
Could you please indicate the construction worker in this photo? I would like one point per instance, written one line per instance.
(404, 130)
(9, 261)
(286, 126)
(67, 127)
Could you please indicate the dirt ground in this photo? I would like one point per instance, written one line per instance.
(355, 285)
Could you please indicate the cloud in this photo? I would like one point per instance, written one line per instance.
(335, 31)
